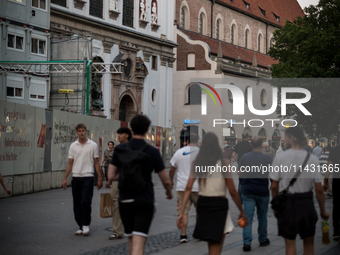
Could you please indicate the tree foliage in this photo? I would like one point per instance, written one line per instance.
(310, 48)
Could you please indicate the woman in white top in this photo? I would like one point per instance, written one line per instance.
(212, 204)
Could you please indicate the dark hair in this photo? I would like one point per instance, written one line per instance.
(256, 142)
(111, 142)
(80, 125)
(124, 130)
(193, 138)
(140, 124)
(329, 148)
(299, 137)
(245, 135)
(210, 151)
(317, 143)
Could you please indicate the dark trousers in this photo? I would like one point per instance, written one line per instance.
(336, 206)
(82, 191)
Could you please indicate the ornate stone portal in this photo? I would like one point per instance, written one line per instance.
(126, 97)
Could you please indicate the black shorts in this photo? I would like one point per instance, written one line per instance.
(136, 217)
(298, 217)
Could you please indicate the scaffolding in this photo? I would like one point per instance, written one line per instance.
(45, 68)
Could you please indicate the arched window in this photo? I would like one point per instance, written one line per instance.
(259, 42)
(271, 42)
(182, 21)
(202, 23)
(263, 134)
(200, 26)
(263, 98)
(194, 94)
(219, 35)
(232, 34)
(247, 39)
(230, 96)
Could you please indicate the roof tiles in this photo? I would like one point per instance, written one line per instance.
(285, 9)
(231, 51)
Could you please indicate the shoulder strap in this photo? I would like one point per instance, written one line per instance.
(291, 183)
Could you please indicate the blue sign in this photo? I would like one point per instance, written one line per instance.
(186, 121)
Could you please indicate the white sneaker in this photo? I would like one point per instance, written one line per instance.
(86, 230)
(79, 232)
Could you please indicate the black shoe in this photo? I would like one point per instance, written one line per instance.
(246, 247)
(183, 239)
(265, 243)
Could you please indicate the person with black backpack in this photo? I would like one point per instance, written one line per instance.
(132, 165)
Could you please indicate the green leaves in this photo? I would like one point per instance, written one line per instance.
(310, 48)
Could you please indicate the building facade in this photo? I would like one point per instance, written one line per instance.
(25, 36)
(138, 35)
(227, 40)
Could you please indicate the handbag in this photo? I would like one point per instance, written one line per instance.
(278, 203)
(106, 205)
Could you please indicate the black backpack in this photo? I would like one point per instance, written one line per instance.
(131, 181)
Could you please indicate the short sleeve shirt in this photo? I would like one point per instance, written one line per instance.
(155, 164)
(293, 159)
(83, 156)
(182, 160)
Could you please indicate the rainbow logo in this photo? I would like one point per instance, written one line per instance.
(209, 93)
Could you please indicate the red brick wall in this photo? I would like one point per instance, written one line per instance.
(184, 49)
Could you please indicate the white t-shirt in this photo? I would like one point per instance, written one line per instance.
(183, 160)
(83, 156)
(293, 159)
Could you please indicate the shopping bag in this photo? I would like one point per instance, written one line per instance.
(106, 205)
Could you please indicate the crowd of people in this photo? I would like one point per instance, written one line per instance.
(128, 170)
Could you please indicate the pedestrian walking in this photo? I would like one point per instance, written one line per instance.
(227, 152)
(82, 156)
(324, 169)
(108, 153)
(132, 165)
(267, 149)
(8, 191)
(317, 151)
(333, 165)
(212, 204)
(240, 149)
(298, 215)
(182, 161)
(255, 192)
(124, 135)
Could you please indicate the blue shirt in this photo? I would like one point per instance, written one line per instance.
(256, 182)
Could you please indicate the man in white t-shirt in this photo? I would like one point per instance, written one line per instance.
(182, 161)
(83, 154)
(299, 215)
